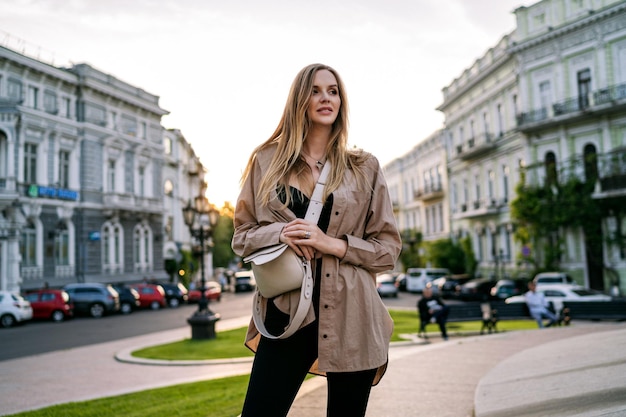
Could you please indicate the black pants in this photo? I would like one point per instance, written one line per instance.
(280, 367)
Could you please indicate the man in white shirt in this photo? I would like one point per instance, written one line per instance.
(538, 306)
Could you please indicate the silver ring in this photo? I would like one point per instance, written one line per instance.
(307, 235)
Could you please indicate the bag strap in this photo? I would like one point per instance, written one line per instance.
(313, 212)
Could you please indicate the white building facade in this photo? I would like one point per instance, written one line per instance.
(82, 163)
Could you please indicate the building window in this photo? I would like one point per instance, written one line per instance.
(3, 158)
(491, 178)
(30, 163)
(550, 166)
(64, 169)
(500, 124)
(505, 183)
(112, 248)
(545, 95)
(584, 88)
(67, 105)
(591, 163)
(142, 242)
(28, 245)
(62, 245)
(33, 97)
(50, 102)
(111, 176)
(14, 90)
(141, 178)
(167, 144)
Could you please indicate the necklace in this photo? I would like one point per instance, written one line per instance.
(319, 163)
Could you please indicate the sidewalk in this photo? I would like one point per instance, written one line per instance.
(578, 370)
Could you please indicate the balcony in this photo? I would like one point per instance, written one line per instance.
(429, 192)
(480, 208)
(604, 101)
(478, 146)
(129, 202)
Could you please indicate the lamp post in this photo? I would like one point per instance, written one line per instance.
(201, 218)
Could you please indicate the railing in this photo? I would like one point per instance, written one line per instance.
(571, 105)
(607, 95)
(532, 116)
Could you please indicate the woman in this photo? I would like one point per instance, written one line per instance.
(347, 330)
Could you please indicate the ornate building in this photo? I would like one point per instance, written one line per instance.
(82, 160)
(547, 103)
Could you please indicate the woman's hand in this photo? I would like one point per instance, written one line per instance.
(308, 240)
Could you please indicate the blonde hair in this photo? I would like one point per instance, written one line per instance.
(291, 132)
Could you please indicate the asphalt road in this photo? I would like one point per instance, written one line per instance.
(37, 337)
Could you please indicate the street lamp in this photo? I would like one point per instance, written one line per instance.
(201, 218)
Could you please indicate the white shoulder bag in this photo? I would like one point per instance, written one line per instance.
(277, 270)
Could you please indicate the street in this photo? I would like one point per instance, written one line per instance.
(37, 337)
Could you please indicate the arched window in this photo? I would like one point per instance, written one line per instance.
(112, 247)
(551, 173)
(28, 244)
(62, 245)
(591, 163)
(142, 248)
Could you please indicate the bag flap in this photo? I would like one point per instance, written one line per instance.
(266, 254)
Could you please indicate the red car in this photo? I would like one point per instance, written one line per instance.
(50, 304)
(151, 296)
(213, 292)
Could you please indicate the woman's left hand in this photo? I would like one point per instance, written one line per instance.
(313, 241)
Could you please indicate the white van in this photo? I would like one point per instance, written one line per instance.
(417, 278)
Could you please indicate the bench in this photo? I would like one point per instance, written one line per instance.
(596, 310)
(489, 313)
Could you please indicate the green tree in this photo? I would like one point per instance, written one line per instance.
(223, 254)
(411, 245)
(445, 253)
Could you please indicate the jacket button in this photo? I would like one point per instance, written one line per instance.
(325, 305)
(325, 336)
(336, 213)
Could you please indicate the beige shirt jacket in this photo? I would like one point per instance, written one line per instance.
(354, 325)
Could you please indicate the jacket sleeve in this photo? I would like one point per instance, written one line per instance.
(379, 247)
(255, 226)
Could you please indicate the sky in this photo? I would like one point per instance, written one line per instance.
(223, 68)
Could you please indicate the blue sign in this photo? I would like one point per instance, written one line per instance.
(51, 192)
(94, 236)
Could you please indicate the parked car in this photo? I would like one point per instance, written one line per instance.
(175, 293)
(386, 285)
(557, 294)
(549, 278)
(417, 278)
(50, 304)
(150, 296)
(244, 281)
(14, 309)
(94, 299)
(445, 287)
(129, 298)
(477, 289)
(213, 292)
(506, 288)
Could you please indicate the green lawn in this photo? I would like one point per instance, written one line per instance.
(220, 397)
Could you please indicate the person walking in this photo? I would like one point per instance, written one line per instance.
(346, 333)
(538, 306)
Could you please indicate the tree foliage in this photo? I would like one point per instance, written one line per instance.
(544, 213)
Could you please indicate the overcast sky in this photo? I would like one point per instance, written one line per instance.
(223, 68)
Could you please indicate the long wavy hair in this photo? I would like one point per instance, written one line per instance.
(291, 132)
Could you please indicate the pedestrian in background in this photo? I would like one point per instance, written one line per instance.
(347, 330)
(433, 309)
(538, 306)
